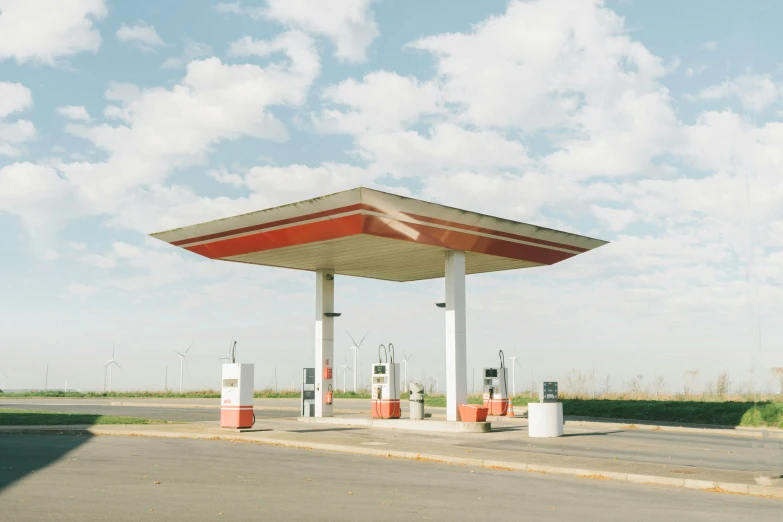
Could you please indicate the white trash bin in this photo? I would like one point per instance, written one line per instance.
(545, 419)
(416, 401)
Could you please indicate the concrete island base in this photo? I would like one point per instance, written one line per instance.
(403, 424)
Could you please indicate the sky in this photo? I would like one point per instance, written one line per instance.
(657, 126)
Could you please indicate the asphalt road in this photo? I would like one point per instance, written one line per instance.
(703, 450)
(128, 478)
(144, 412)
(698, 449)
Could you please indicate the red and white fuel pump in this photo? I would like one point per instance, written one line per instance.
(386, 386)
(236, 394)
(495, 388)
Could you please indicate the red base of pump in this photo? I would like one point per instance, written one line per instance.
(386, 409)
(497, 407)
(236, 417)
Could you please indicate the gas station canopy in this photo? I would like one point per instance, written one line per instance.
(367, 233)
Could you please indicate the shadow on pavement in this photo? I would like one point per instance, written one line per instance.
(591, 433)
(326, 429)
(23, 453)
(507, 428)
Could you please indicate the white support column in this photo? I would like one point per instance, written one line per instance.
(324, 339)
(456, 353)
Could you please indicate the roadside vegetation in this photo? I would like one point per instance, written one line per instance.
(14, 417)
(706, 409)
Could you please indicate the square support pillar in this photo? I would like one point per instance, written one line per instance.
(324, 340)
(456, 352)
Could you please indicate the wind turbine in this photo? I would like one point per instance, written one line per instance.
(405, 359)
(181, 363)
(514, 362)
(355, 348)
(346, 367)
(231, 350)
(108, 365)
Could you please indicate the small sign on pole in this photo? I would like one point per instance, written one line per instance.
(548, 392)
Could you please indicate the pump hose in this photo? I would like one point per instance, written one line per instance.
(394, 382)
(503, 369)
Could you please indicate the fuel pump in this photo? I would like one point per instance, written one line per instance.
(236, 394)
(386, 385)
(308, 392)
(495, 389)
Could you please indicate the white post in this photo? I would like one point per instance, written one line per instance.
(324, 339)
(456, 371)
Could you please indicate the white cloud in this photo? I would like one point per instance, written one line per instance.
(348, 23)
(46, 31)
(304, 63)
(381, 101)
(446, 148)
(14, 134)
(124, 250)
(541, 64)
(99, 261)
(549, 113)
(79, 289)
(754, 92)
(236, 8)
(616, 219)
(709, 45)
(14, 97)
(122, 92)
(142, 35)
(297, 182)
(37, 194)
(190, 51)
(694, 71)
(163, 130)
(74, 112)
(227, 178)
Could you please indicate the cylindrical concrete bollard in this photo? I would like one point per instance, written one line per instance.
(416, 404)
(545, 419)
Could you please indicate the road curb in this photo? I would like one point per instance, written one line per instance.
(701, 485)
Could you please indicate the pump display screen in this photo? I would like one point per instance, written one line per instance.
(491, 372)
(230, 383)
(379, 369)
